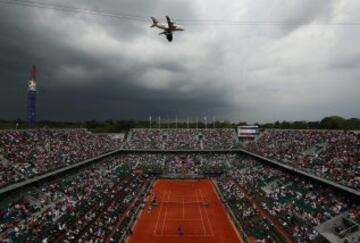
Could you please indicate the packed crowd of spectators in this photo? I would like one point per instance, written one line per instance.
(331, 154)
(181, 139)
(296, 204)
(209, 163)
(167, 163)
(355, 213)
(28, 153)
(140, 138)
(220, 138)
(214, 163)
(251, 221)
(88, 204)
(148, 163)
(93, 203)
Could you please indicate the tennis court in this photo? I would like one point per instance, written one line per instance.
(185, 211)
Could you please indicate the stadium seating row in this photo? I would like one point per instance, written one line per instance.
(296, 204)
(331, 154)
(93, 203)
(28, 153)
(177, 139)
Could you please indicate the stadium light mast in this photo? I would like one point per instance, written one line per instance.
(31, 97)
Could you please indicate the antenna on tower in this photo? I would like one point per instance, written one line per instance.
(31, 97)
(33, 72)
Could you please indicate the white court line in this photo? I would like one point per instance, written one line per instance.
(202, 221)
(158, 218)
(213, 189)
(180, 219)
(207, 215)
(166, 209)
(184, 235)
(183, 208)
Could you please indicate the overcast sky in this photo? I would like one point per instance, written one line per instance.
(93, 67)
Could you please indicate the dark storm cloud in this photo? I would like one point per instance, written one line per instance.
(93, 67)
(78, 84)
(124, 103)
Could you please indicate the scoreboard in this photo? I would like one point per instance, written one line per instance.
(247, 131)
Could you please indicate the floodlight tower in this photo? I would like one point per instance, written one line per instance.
(31, 97)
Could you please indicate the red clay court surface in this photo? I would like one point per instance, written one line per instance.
(199, 223)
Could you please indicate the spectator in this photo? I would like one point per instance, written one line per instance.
(28, 153)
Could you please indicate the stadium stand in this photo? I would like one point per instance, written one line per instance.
(98, 202)
(85, 205)
(181, 139)
(28, 153)
(331, 154)
(159, 163)
(296, 204)
(256, 226)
